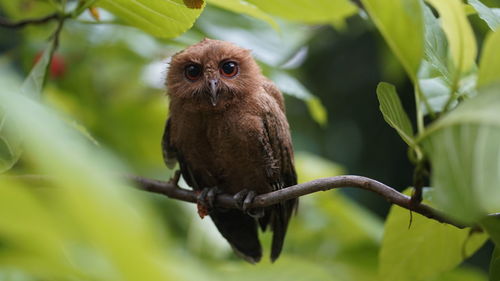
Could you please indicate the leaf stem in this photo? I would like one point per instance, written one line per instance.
(420, 114)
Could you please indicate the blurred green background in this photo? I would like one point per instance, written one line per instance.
(106, 83)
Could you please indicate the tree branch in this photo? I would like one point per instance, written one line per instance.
(170, 189)
(19, 24)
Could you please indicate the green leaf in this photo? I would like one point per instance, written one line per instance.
(434, 73)
(437, 92)
(33, 84)
(291, 86)
(403, 33)
(317, 110)
(489, 68)
(425, 249)
(161, 18)
(458, 32)
(492, 225)
(244, 7)
(465, 156)
(435, 48)
(393, 112)
(313, 12)
(495, 265)
(490, 15)
(10, 141)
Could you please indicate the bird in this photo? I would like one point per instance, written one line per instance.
(228, 131)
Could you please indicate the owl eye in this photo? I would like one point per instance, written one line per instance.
(193, 71)
(229, 69)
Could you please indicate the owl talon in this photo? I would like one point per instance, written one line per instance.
(256, 213)
(239, 198)
(248, 200)
(244, 199)
(207, 196)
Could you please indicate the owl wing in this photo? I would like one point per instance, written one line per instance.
(277, 148)
(168, 150)
(171, 155)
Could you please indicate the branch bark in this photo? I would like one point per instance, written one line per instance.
(19, 24)
(170, 189)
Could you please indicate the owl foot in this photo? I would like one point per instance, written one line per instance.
(244, 199)
(207, 196)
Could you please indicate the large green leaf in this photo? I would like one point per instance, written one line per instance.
(161, 18)
(465, 156)
(489, 68)
(490, 15)
(458, 32)
(401, 24)
(393, 112)
(424, 249)
(245, 7)
(320, 11)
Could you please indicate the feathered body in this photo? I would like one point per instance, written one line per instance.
(227, 129)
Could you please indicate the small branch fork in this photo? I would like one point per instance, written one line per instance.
(170, 189)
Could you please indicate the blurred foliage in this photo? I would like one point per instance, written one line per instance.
(95, 109)
(422, 258)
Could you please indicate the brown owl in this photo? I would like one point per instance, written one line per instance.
(228, 131)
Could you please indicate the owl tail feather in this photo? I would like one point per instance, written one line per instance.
(240, 230)
(280, 217)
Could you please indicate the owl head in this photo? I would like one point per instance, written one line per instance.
(211, 74)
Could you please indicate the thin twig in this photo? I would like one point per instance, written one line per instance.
(171, 190)
(19, 24)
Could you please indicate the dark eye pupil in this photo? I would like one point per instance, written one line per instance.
(229, 67)
(193, 71)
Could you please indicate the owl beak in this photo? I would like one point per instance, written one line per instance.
(214, 94)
